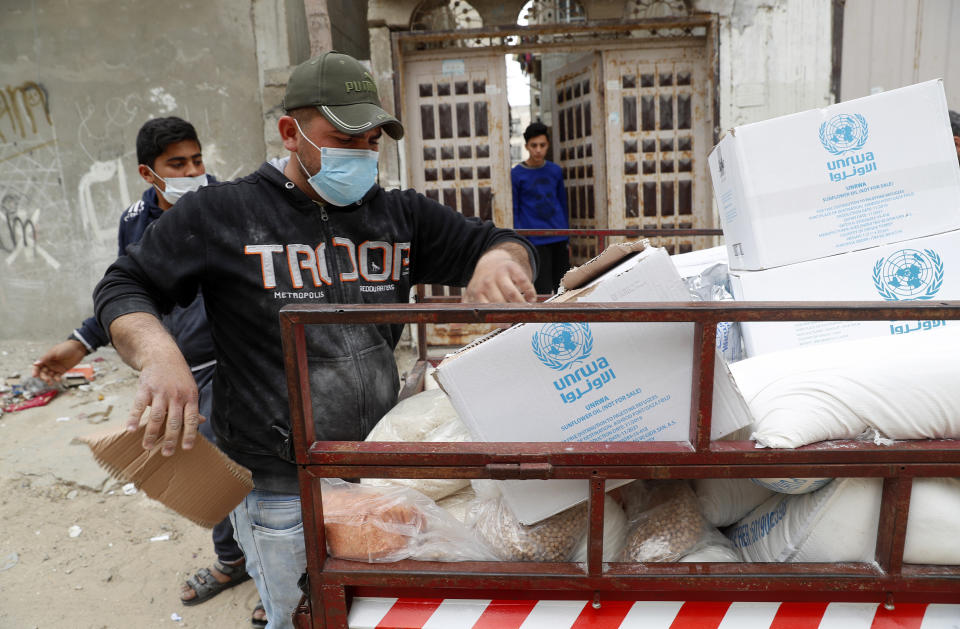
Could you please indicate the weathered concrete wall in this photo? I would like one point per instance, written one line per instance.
(77, 80)
(775, 57)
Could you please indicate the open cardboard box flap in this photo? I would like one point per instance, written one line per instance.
(576, 283)
(202, 484)
(580, 277)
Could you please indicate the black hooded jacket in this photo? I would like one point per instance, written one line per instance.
(187, 325)
(257, 244)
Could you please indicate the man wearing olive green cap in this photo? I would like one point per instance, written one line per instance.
(343, 91)
(310, 228)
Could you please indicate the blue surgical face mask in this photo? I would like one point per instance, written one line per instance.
(345, 175)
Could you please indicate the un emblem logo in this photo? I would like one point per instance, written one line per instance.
(844, 132)
(908, 274)
(560, 345)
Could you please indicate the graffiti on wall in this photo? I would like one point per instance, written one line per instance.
(91, 194)
(20, 107)
(30, 174)
(105, 134)
(18, 233)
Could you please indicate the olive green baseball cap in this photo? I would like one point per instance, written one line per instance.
(344, 92)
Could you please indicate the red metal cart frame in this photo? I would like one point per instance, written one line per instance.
(333, 582)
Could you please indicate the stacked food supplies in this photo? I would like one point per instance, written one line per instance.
(859, 201)
(856, 201)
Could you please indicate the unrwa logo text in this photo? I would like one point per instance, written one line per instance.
(844, 132)
(560, 345)
(908, 274)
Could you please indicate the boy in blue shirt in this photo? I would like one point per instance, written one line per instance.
(540, 202)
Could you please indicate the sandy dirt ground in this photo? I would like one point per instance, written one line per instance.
(125, 567)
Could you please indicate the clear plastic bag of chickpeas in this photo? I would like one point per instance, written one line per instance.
(552, 539)
(664, 520)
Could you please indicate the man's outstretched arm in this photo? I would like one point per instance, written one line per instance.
(165, 385)
(503, 274)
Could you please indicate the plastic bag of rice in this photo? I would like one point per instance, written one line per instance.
(424, 417)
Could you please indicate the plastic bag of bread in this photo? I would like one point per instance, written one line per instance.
(425, 417)
(384, 524)
(553, 539)
(664, 518)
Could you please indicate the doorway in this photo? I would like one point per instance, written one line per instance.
(631, 109)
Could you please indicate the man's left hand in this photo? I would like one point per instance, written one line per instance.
(502, 274)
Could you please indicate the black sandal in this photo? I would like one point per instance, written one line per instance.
(258, 622)
(206, 586)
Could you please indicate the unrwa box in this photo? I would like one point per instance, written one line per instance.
(919, 269)
(857, 174)
(588, 382)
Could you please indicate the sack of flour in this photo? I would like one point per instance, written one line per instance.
(836, 523)
(723, 501)
(839, 523)
(425, 417)
(792, 485)
(614, 533)
(713, 546)
(934, 522)
(892, 387)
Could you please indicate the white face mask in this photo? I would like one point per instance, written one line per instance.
(176, 187)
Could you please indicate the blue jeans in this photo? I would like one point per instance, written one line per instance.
(226, 548)
(269, 528)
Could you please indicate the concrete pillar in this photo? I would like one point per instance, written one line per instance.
(393, 13)
(282, 41)
(381, 61)
(318, 26)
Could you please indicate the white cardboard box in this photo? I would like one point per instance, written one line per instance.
(918, 269)
(857, 174)
(587, 382)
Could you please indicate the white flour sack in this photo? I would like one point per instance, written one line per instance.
(836, 523)
(713, 547)
(839, 523)
(934, 522)
(426, 416)
(792, 485)
(723, 501)
(902, 386)
(614, 533)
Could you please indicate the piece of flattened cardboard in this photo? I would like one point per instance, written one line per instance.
(202, 484)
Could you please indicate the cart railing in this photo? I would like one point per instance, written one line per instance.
(332, 582)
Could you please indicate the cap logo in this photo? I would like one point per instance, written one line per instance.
(366, 84)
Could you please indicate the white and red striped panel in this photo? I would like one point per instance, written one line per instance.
(410, 613)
